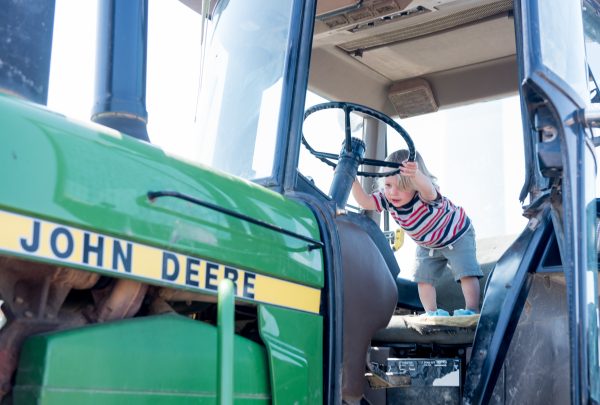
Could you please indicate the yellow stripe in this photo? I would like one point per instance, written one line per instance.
(284, 293)
(32, 237)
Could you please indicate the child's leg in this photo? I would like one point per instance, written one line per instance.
(427, 296)
(470, 289)
(465, 268)
(427, 269)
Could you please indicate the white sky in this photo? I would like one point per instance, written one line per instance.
(73, 57)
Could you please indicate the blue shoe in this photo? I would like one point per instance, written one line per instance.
(437, 312)
(464, 312)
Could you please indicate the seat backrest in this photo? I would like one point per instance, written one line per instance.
(408, 295)
(369, 300)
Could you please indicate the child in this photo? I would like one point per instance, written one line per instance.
(442, 231)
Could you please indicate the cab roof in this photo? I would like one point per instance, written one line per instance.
(411, 57)
(407, 58)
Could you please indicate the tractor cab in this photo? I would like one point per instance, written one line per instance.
(515, 87)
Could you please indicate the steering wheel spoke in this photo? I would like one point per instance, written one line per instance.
(326, 155)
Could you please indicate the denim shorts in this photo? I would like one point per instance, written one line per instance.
(460, 256)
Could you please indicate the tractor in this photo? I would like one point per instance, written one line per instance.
(132, 275)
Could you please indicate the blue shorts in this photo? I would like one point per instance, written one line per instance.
(460, 256)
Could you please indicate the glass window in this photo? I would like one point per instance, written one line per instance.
(241, 87)
(591, 25)
(560, 38)
(232, 124)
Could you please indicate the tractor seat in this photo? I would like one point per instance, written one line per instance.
(446, 330)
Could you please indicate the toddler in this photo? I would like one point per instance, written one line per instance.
(442, 231)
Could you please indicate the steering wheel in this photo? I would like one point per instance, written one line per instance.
(333, 160)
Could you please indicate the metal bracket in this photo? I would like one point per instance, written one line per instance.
(589, 117)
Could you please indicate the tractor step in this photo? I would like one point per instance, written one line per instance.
(412, 380)
(412, 372)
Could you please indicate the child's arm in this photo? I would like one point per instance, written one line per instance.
(362, 198)
(422, 183)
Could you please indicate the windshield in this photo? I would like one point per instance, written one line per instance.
(557, 36)
(241, 87)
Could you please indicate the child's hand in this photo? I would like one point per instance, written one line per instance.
(409, 169)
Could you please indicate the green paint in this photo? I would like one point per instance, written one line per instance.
(94, 178)
(225, 324)
(294, 341)
(90, 177)
(167, 359)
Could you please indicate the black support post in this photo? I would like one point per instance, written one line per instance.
(120, 99)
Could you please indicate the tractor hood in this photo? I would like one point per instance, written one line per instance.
(78, 195)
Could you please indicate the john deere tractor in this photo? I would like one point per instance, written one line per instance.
(131, 275)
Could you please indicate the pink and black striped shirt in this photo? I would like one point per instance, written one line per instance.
(432, 224)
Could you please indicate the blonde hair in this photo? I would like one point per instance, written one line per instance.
(406, 183)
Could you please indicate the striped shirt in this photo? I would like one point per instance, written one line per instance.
(432, 224)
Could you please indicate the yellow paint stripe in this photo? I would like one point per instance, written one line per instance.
(33, 237)
(284, 293)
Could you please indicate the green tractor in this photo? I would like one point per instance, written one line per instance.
(130, 275)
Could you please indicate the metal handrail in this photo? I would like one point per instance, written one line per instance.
(225, 333)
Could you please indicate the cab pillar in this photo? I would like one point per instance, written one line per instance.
(120, 96)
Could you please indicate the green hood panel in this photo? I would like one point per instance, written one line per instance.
(166, 359)
(93, 178)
